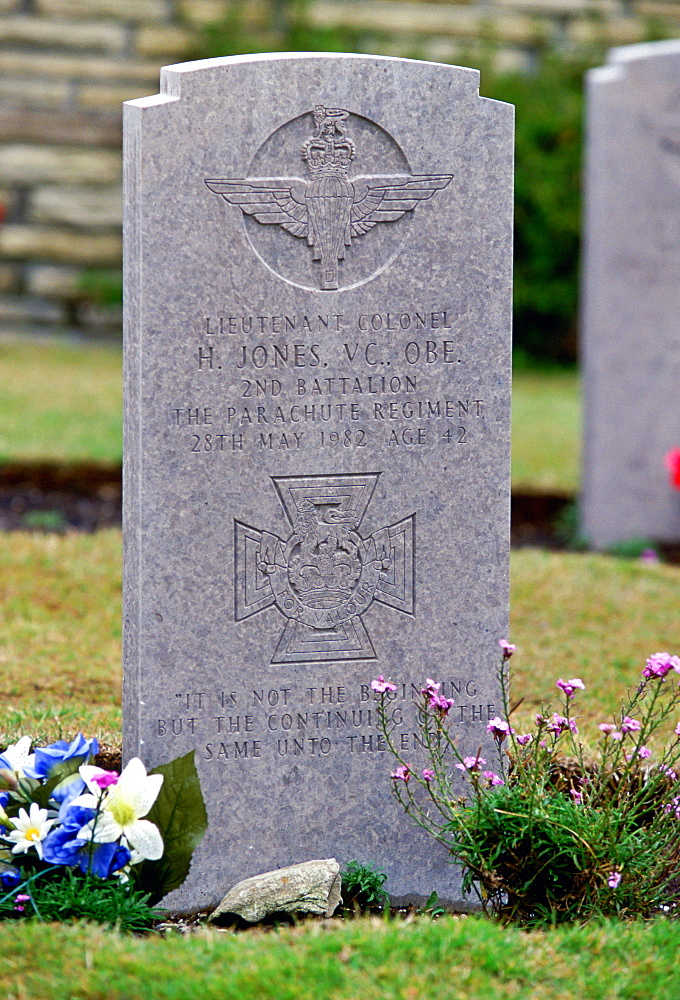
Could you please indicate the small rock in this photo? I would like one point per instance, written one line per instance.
(310, 887)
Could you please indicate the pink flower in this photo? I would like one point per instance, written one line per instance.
(649, 556)
(428, 774)
(560, 724)
(524, 740)
(629, 725)
(673, 806)
(380, 685)
(499, 729)
(431, 688)
(660, 664)
(672, 463)
(668, 771)
(642, 752)
(614, 880)
(105, 778)
(608, 728)
(507, 647)
(576, 794)
(677, 729)
(571, 687)
(471, 764)
(441, 704)
(492, 779)
(402, 773)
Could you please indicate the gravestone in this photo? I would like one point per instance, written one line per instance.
(631, 297)
(317, 370)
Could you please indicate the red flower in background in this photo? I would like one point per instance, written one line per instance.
(672, 461)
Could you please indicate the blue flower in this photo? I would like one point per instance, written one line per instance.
(10, 878)
(47, 758)
(69, 845)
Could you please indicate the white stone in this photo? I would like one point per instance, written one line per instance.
(309, 887)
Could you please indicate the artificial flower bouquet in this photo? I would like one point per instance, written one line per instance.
(62, 818)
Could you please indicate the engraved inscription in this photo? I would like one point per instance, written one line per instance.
(331, 209)
(325, 575)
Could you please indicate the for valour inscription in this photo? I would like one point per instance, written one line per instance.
(317, 372)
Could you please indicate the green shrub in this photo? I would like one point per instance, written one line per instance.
(556, 835)
(362, 886)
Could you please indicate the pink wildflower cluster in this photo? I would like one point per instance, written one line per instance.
(471, 763)
(558, 724)
(402, 773)
(436, 700)
(499, 729)
(492, 779)
(524, 739)
(629, 725)
(381, 686)
(570, 687)
(673, 807)
(642, 752)
(660, 664)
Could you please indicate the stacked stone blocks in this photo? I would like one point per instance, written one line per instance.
(66, 66)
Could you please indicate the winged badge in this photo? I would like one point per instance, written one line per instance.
(329, 210)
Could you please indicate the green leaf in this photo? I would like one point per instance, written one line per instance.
(179, 813)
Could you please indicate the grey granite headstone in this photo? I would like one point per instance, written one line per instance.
(318, 309)
(631, 297)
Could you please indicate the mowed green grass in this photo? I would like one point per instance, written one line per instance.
(63, 402)
(60, 402)
(369, 959)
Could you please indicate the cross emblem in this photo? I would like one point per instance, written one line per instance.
(326, 574)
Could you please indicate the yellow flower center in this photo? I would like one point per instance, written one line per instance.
(122, 812)
(32, 833)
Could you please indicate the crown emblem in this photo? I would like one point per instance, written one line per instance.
(329, 210)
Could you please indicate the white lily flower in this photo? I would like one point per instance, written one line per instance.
(30, 829)
(18, 755)
(123, 806)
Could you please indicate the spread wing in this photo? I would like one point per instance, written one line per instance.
(271, 201)
(386, 199)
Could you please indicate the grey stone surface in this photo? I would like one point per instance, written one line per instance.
(631, 295)
(316, 477)
(310, 887)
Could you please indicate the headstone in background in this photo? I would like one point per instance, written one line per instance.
(317, 422)
(631, 304)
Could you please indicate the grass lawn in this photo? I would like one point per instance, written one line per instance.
(60, 402)
(447, 959)
(64, 402)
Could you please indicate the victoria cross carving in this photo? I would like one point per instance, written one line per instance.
(326, 574)
(330, 209)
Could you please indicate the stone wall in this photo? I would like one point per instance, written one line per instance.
(66, 66)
